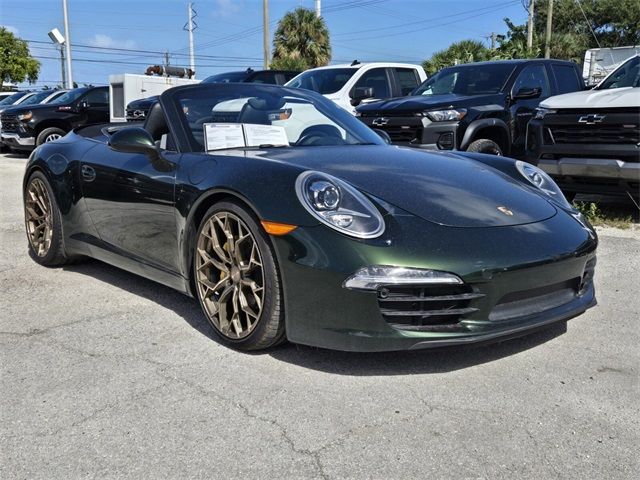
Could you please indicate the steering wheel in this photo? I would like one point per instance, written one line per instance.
(318, 135)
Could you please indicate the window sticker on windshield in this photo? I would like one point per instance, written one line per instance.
(257, 135)
(223, 135)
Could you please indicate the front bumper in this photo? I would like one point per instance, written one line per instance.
(604, 168)
(14, 140)
(417, 131)
(494, 263)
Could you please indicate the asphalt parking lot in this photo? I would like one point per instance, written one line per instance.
(106, 375)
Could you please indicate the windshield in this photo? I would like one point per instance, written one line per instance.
(10, 100)
(273, 116)
(37, 98)
(323, 81)
(627, 75)
(229, 77)
(467, 80)
(70, 96)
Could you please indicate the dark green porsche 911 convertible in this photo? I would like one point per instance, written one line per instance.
(287, 218)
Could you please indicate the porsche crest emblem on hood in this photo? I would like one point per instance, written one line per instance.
(505, 210)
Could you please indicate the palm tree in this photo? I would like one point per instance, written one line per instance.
(301, 39)
(464, 51)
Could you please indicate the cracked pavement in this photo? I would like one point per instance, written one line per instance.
(107, 375)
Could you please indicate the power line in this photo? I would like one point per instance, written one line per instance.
(588, 23)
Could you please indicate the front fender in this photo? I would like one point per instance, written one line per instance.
(477, 125)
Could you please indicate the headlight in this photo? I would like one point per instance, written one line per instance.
(541, 112)
(25, 117)
(448, 115)
(338, 205)
(544, 182)
(376, 276)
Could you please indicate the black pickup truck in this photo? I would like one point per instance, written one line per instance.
(479, 107)
(24, 128)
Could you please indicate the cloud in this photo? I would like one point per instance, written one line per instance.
(13, 30)
(226, 8)
(105, 41)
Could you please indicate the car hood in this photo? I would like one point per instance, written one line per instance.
(36, 107)
(609, 98)
(418, 103)
(142, 103)
(442, 188)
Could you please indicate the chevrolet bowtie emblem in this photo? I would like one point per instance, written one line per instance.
(591, 119)
(506, 211)
(380, 121)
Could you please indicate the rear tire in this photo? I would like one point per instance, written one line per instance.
(237, 278)
(484, 145)
(43, 223)
(49, 135)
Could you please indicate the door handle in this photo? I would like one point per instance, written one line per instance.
(88, 173)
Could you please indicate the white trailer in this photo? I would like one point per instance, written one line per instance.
(127, 87)
(600, 62)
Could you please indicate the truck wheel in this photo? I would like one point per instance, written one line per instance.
(484, 145)
(49, 135)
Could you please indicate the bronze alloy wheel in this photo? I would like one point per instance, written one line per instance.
(38, 215)
(230, 275)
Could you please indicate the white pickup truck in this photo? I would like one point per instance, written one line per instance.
(589, 141)
(351, 84)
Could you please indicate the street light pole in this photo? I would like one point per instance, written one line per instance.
(67, 44)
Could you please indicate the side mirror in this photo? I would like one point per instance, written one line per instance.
(383, 135)
(361, 93)
(527, 92)
(133, 140)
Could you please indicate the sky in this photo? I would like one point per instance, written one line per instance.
(229, 33)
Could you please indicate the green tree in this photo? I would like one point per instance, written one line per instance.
(608, 23)
(464, 51)
(16, 62)
(301, 41)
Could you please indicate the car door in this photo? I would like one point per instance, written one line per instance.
(130, 199)
(406, 81)
(379, 80)
(95, 105)
(522, 109)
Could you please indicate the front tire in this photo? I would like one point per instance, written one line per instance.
(484, 145)
(237, 278)
(43, 223)
(49, 135)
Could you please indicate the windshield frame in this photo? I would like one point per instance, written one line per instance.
(74, 95)
(170, 100)
(5, 101)
(601, 85)
(511, 67)
(309, 74)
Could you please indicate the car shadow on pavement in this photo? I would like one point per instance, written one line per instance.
(330, 361)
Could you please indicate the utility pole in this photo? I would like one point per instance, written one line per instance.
(64, 73)
(166, 59)
(547, 43)
(190, 27)
(265, 32)
(493, 40)
(318, 8)
(67, 44)
(530, 25)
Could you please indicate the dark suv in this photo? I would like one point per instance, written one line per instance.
(24, 128)
(479, 107)
(274, 77)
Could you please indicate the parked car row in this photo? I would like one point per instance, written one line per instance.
(25, 126)
(536, 109)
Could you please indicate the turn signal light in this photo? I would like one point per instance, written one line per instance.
(274, 228)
